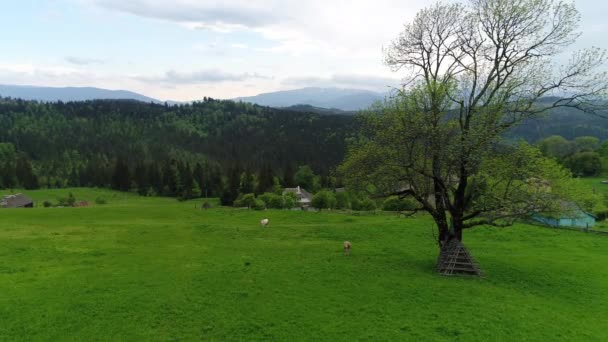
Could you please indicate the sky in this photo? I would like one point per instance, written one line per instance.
(184, 50)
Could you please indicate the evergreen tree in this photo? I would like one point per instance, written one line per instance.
(305, 178)
(25, 174)
(199, 177)
(74, 180)
(140, 178)
(8, 176)
(121, 179)
(247, 182)
(187, 182)
(171, 179)
(82, 176)
(155, 179)
(213, 182)
(265, 180)
(196, 189)
(231, 190)
(289, 176)
(7, 165)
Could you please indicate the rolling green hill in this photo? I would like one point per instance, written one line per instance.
(158, 269)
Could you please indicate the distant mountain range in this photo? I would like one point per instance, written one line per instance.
(331, 98)
(52, 94)
(318, 100)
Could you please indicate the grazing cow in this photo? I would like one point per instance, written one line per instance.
(264, 222)
(347, 246)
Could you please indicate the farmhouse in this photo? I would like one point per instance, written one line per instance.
(16, 201)
(573, 217)
(304, 197)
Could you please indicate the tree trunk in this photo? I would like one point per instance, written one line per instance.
(448, 232)
(444, 230)
(456, 232)
(440, 216)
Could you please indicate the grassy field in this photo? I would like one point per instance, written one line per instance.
(594, 185)
(158, 269)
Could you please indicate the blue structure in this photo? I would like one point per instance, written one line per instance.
(576, 218)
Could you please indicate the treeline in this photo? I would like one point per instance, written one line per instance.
(197, 149)
(16, 169)
(585, 156)
(211, 148)
(565, 122)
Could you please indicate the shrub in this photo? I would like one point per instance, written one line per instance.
(272, 200)
(151, 192)
(584, 164)
(289, 200)
(394, 203)
(67, 202)
(363, 205)
(343, 200)
(258, 204)
(247, 200)
(101, 201)
(410, 204)
(601, 215)
(47, 204)
(324, 200)
(71, 200)
(355, 203)
(368, 205)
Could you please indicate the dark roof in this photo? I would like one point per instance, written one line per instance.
(15, 201)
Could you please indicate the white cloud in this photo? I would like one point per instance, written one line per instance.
(208, 12)
(228, 48)
(218, 47)
(83, 61)
(357, 81)
(314, 37)
(59, 76)
(318, 26)
(30, 71)
(201, 77)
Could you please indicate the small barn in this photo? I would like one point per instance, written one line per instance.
(304, 197)
(16, 201)
(574, 217)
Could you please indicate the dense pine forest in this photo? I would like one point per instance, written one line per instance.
(188, 150)
(207, 148)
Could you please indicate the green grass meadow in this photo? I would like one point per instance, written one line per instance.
(157, 269)
(594, 184)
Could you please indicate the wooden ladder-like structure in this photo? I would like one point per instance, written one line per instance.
(455, 259)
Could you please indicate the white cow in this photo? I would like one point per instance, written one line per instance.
(264, 222)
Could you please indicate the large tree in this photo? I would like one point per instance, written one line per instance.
(474, 71)
(556, 147)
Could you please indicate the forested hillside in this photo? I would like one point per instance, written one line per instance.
(204, 148)
(160, 148)
(566, 122)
